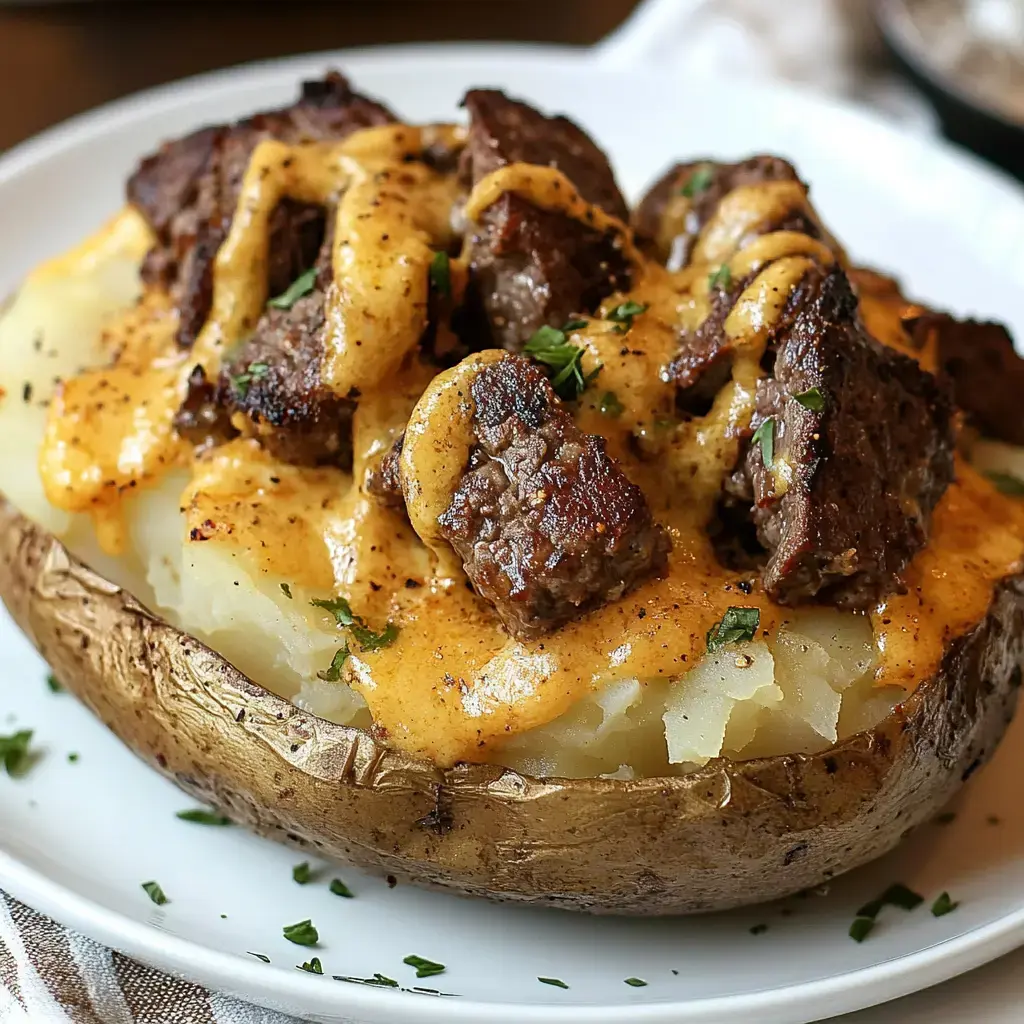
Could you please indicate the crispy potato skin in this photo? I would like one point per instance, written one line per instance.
(732, 833)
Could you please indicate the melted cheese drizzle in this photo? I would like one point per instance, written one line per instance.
(453, 685)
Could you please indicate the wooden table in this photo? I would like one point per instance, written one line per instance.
(59, 59)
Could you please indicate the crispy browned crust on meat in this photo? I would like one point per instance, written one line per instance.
(709, 181)
(864, 472)
(530, 267)
(188, 189)
(986, 371)
(547, 525)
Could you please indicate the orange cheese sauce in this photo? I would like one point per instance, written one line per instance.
(453, 685)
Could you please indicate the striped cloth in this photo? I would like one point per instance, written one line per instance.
(49, 975)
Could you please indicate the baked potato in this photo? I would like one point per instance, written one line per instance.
(514, 545)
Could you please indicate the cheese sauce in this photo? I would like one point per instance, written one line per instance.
(453, 685)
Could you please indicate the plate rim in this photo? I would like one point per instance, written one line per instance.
(845, 992)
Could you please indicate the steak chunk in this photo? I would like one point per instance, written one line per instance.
(987, 373)
(547, 525)
(845, 477)
(188, 189)
(384, 480)
(669, 227)
(528, 266)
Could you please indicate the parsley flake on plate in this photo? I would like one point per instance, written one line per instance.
(302, 285)
(259, 956)
(16, 757)
(201, 816)
(312, 966)
(635, 982)
(339, 888)
(301, 873)
(302, 934)
(286, 590)
(378, 980)
(861, 928)
(736, 624)
(424, 968)
(557, 982)
(54, 684)
(155, 893)
(944, 905)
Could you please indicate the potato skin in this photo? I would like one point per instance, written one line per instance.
(730, 834)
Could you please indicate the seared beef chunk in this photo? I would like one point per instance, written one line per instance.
(706, 183)
(987, 373)
(547, 525)
(529, 266)
(704, 361)
(845, 477)
(188, 190)
(384, 481)
(274, 380)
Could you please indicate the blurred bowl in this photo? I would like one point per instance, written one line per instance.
(989, 125)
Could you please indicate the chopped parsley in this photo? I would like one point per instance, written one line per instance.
(699, 181)
(861, 928)
(302, 934)
(897, 895)
(338, 607)
(635, 982)
(54, 684)
(302, 285)
(550, 347)
(737, 624)
(312, 966)
(624, 313)
(441, 274)
(1007, 483)
(73, 758)
(811, 399)
(378, 980)
(199, 816)
(765, 437)
(301, 873)
(367, 639)
(424, 968)
(15, 755)
(759, 929)
(259, 956)
(574, 325)
(557, 982)
(610, 405)
(286, 590)
(339, 888)
(155, 893)
(332, 674)
(721, 278)
(255, 371)
(944, 905)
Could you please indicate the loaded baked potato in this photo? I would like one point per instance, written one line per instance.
(398, 492)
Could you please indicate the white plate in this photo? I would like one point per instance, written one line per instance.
(76, 840)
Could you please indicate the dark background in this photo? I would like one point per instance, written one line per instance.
(58, 60)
